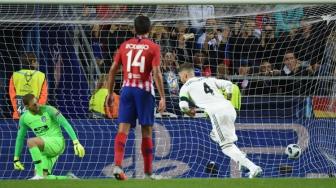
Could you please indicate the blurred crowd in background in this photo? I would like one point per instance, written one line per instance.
(284, 43)
(248, 50)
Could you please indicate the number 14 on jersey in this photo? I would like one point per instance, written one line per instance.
(137, 61)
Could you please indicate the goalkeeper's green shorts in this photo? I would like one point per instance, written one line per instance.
(53, 148)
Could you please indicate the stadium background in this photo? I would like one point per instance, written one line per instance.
(268, 121)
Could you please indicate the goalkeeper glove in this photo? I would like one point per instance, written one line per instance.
(17, 164)
(79, 149)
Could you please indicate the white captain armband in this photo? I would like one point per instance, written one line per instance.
(184, 106)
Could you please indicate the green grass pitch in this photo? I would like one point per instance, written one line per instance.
(176, 183)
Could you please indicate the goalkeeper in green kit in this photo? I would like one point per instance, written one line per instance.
(46, 122)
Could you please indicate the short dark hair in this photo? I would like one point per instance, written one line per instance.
(186, 67)
(290, 51)
(142, 25)
(27, 98)
(28, 58)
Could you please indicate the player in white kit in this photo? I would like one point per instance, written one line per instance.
(205, 94)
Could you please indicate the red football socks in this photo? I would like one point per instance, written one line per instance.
(119, 148)
(147, 153)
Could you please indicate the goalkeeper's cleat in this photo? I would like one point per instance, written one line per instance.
(119, 174)
(71, 175)
(256, 172)
(36, 177)
(154, 177)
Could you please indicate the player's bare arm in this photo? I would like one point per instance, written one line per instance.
(191, 112)
(111, 80)
(184, 106)
(159, 85)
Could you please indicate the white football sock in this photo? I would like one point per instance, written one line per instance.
(235, 154)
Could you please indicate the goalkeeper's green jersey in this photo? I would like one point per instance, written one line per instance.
(45, 124)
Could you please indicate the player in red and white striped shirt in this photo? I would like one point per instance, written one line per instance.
(140, 58)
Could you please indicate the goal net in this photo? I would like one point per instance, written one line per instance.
(282, 57)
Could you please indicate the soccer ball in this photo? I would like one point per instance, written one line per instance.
(293, 151)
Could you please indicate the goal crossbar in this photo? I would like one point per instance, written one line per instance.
(175, 2)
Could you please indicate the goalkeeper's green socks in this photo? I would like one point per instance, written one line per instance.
(37, 160)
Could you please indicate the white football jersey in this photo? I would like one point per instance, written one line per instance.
(205, 92)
